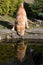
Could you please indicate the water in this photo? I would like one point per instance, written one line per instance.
(21, 53)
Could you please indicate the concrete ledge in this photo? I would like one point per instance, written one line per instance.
(32, 35)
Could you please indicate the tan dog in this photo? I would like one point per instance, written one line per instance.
(21, 21)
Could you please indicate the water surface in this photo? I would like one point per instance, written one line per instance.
(21, 53)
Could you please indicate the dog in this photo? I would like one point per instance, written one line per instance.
(21, 21)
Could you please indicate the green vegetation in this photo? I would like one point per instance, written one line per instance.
(9, 6)
(36, 7)
(4, 6)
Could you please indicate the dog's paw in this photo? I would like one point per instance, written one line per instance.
(12, 29)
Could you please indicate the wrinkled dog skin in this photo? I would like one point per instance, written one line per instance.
(21, 21)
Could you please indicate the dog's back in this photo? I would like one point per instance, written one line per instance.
(21, 18)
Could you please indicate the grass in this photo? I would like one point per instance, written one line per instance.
(7, 18)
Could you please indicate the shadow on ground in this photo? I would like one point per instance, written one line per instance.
(6, 24)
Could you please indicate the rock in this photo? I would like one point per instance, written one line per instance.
(29, 1)
(8, 37)
(33, 35)
(2, 37)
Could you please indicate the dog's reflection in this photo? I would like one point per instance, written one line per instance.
(21, 50)
(22, 54)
